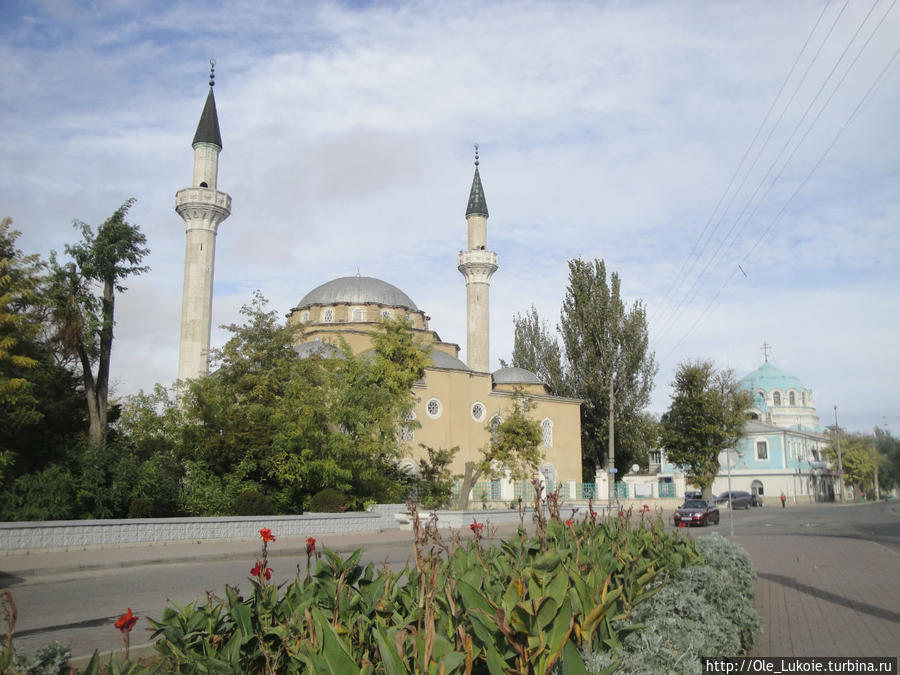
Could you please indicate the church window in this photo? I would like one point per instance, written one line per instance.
(776, 398)
(385, 314)
(357, 314)
(305, 317)
(433, 408)
(327, 315)
(792, 398)
(478, 411)
(407, 431)
(495, 422)
(762, 450)
(547, 432)
(803, 397)
(203, 184)
(548, 473)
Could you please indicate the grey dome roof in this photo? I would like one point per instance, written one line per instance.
(443, 360)
(357, 291)
(317, 348)
(515, 376)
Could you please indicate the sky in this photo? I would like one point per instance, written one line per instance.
(736, 164)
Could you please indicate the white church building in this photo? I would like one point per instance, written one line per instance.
(781, 450)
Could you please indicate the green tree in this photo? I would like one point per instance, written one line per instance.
(707, 415)
(513, 451)
(83, 298)
(605, 361)
(435, 477)
(536, 349)
(889, 463)
(860, 460)
(19, 330)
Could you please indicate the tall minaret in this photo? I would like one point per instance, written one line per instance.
(202, 207)
(477, 265)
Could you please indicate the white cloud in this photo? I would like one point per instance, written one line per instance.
(607, 130)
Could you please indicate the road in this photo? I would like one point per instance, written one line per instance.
(79, 608)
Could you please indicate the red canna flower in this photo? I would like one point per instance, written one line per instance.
(126, 622)
(266, 534)
(310, 545)
(269, 571)
(569, 522)
(255, 570)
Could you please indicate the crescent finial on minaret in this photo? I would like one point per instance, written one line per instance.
(476, 154)
(212, 72)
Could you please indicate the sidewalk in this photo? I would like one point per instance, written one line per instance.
(825, 596)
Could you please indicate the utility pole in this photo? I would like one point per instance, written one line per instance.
(837, 438)
(875, 459)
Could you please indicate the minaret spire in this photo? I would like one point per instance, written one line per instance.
(203, 208)
(477, 265)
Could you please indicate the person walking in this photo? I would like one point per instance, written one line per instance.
(783, 500)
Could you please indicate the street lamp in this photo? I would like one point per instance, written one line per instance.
(837, 437)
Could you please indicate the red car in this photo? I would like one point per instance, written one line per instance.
(697, 512)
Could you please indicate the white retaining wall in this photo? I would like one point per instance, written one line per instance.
(61, 534)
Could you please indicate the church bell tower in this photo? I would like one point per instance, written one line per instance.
(202, 207)
(477, 265)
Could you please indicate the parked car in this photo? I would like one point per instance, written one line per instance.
(697, 512)
(693, 494)
(739, 499)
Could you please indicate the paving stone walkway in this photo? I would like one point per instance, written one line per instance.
(825, 596)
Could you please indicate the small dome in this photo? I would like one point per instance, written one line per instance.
(515, 376)
(357, 291)
(443, 360)
(768, 377)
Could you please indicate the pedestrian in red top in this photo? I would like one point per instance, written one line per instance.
(783, 499)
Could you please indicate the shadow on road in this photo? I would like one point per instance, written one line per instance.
(828, 596)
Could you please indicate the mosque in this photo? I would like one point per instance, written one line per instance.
(781, 450)
(457, 402)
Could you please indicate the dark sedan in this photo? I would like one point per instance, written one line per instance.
(697, 512)
(738, 499)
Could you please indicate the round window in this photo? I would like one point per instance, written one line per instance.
(433, 408)
(478, 411)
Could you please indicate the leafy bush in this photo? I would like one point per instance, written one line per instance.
(328, 500)
(51, 659)
(252, 503)
(705, 610)
(528, 604)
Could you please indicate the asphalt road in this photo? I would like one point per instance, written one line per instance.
(79, 608)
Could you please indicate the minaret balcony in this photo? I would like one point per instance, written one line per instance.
(200, 197)
(477, 265)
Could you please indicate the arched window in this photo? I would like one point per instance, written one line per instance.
(385, 314)
(547, 432)
(803, 397)
(407, 431)
(792, 398)
(305, 316)
(495, 422)
(548, 473)
(776, 397)
(327, 315)
(756, 487)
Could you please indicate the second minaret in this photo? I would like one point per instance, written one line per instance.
(477, 265)
(202, 207)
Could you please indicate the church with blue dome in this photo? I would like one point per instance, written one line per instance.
(781, 450)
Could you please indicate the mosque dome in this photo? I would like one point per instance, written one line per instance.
(769, 378)
(357, 291)
(512, 375)
(445, 361)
